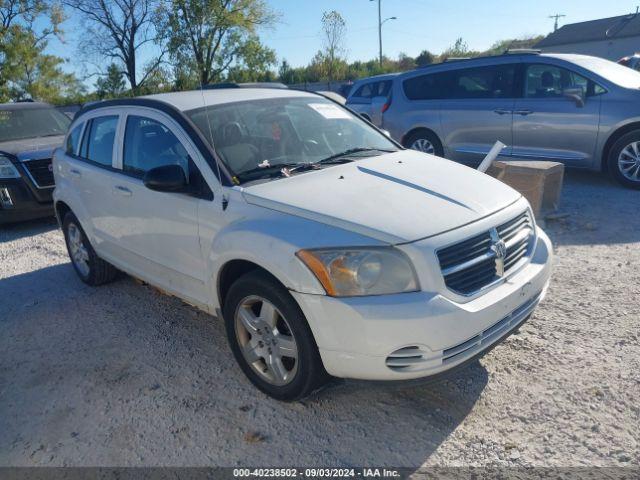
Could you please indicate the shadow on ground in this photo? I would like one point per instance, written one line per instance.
(121, 375)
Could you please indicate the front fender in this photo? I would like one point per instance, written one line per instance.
(270, 240)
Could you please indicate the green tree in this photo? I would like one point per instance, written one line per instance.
(27, 71)
(425, 58)
(30, 73)
(211, 36)
(112, 84)
(253, 63)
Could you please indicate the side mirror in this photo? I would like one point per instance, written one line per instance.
(167, 178)
(575, 94)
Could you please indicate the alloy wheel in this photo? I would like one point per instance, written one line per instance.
(266, 340)
(423, 145)
(629, 162)
(77, 249)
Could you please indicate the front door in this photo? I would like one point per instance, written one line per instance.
(158, 231)
(476, 111)
(547, 125)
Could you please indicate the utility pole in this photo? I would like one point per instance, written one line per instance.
(380, 23)
(557, 16)
(380, 28)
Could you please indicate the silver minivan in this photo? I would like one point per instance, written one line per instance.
(579, 110)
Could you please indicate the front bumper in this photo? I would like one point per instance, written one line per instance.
(19, 203)
(416, 335)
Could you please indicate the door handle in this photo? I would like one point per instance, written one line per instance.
(523, 112)
(120, 190)
(75, 173)
(502, 111)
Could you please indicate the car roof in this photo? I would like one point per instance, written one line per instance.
(24, 105)
(198, 98)
(382, 76)
(494, 60)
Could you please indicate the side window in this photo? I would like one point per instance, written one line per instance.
(426, 87)
(73, 140)
(548, 81)
(149, 144)
(367, 90)
(383, 88)
(483, 82)
(97, 144)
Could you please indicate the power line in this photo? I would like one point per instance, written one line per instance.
(557, 16)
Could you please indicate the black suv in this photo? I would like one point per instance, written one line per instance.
(29, 133)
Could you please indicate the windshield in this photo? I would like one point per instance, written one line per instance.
(620, 75)
(19, 124)
(284, 131)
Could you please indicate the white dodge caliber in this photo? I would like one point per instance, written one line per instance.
(327, 248)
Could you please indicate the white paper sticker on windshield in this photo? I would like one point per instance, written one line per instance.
(330, 111)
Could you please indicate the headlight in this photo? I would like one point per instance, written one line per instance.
(7, 169)
(361, 271)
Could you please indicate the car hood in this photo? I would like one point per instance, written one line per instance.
(396, 198)
(32, 148)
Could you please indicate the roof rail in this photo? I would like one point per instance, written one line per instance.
(219, 86)
(522, 51)
(455, 59)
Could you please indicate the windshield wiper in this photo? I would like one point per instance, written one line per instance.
(278, 170)
(352, 151)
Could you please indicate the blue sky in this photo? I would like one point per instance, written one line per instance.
(421, 24)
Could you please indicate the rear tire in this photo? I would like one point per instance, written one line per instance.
(279, 356)
(91, 269)
(426, 142)
(624, 160)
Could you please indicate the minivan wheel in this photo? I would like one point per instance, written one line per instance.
(91, 269)
(426, 142)
(624, 160)
(270, 338)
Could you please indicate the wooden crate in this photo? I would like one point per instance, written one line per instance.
(540, 182)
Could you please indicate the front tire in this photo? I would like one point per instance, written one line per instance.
(426, 142)
(270, 338)
(91, 269)
(624, 160)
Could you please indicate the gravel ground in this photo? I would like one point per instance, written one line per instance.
(121, 375)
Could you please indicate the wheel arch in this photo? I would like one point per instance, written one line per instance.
(415, 130)
(232, 270)
(613, 138)
(61, 209)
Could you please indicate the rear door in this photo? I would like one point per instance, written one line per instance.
(91, 171)
(549, 126)
(476, 110)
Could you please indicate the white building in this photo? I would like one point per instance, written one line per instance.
(610, 38)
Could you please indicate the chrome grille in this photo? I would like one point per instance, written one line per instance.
(40, 172)
(473, 264)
